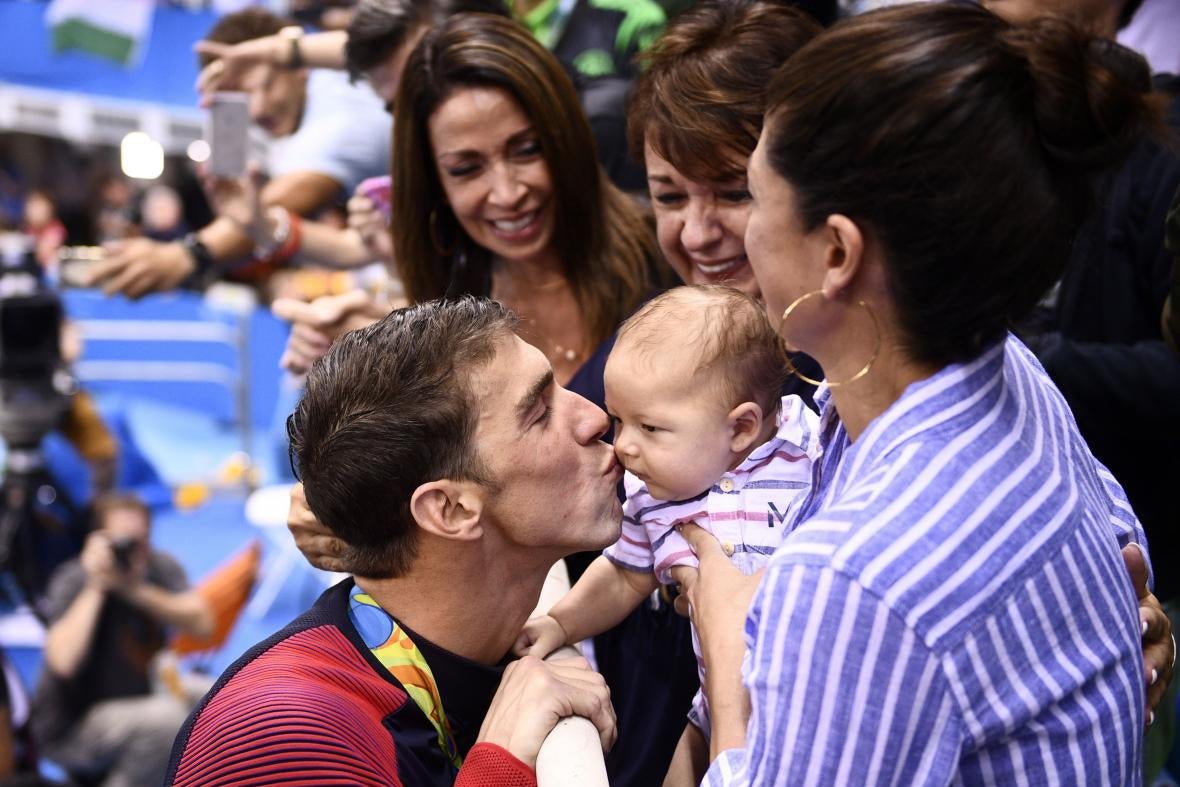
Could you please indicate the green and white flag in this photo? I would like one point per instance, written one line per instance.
(114, 29)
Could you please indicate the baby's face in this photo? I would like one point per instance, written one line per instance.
(670, 430)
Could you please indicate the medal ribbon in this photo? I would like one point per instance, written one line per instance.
(398, 654)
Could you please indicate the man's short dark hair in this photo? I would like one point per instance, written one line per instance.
(380, 27)
(244, 25)
(388, 409)
(110, 502)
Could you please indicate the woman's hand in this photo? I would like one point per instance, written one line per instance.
(322, 549)
(718, 594)
(1159, 648)
(367, 220)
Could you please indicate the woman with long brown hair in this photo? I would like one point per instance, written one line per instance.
(497, 192)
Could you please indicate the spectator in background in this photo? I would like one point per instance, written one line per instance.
(43, 226)
(162, 213)
(95, 712)
(325, 137)
(114, 214)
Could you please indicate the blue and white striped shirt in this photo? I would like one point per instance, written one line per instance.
(953, 607)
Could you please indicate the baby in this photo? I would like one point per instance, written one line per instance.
(693, 389)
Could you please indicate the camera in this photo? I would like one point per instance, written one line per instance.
(35, 387)
(123, 549)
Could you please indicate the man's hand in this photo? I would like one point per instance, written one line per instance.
(98, 560)
(1159, 649)
(540, 636)
(138, 266)
(232, 59)
(240, 201)
(534, 695)
(315, 325)
(322, 549)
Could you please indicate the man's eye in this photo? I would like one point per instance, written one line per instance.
(548, 411)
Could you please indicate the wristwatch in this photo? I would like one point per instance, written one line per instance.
(204, 266)
(293, 33)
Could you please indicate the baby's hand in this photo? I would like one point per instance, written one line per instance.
(540, 636)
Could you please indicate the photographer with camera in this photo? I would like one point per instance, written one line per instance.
(95, 712)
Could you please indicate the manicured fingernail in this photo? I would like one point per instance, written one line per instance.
(1143, 627)
(1150, 717)
(1154, 677)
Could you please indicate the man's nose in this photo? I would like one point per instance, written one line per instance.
(591, 423)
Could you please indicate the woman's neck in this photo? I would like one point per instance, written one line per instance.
(860, 402)
(542, 273)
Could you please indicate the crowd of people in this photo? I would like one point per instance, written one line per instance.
(835, 353)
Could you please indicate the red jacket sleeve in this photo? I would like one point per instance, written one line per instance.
(489, 765)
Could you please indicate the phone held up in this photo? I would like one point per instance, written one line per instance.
(378, 189)
(228, 132)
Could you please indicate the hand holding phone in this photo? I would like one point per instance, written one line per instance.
(379, 191)
(228, 133)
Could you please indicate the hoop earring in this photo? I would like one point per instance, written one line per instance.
(864, 369)
(438, 247)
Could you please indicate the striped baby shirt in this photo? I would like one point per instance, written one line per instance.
(748, 510)
(952, 607)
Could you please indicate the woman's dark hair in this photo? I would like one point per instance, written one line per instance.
(964, 146)
(380, 27)
(603, 238)
(700, 99)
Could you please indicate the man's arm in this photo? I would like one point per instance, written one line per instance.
(185, 610)
(138, 266)
(303, 192)
(317, 50)
(71, 634)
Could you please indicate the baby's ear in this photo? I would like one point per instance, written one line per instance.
(745, 424)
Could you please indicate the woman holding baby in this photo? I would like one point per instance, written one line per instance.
(950, 606)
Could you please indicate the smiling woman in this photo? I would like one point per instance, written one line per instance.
(498, 192)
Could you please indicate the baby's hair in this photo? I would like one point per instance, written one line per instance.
(734, 342)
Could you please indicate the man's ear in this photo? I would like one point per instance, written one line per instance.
(844, 255)
(745, 424)
(448, 509)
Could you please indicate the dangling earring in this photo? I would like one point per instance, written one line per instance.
(442, 250)
(864, 369)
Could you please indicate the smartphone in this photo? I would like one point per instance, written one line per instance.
(228, 133)
(379, 190)
(75, 262)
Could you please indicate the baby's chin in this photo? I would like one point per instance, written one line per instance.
(666, 494)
